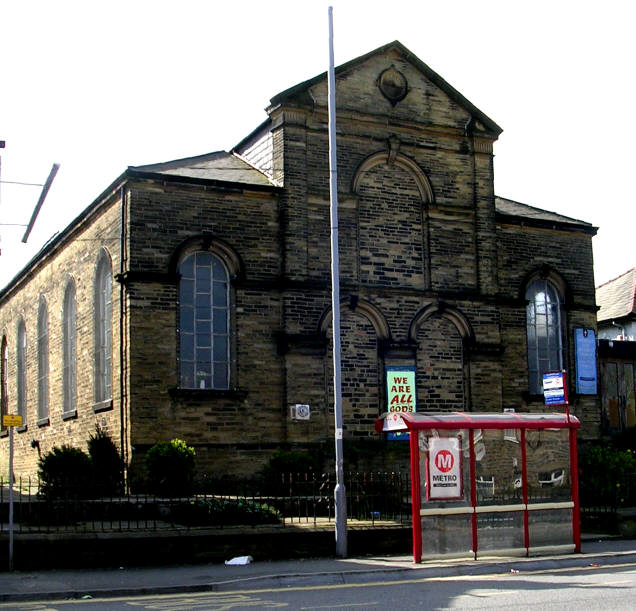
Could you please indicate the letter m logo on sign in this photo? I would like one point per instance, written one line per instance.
(444, 461)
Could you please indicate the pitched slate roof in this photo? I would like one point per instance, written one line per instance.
(220, 167)
(617, 298)
(516, 212)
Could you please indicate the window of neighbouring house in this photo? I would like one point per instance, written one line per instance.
(43, 360)
(544, 332)
(21, 370)
(103, 329)
(204, 338)
(69, 354)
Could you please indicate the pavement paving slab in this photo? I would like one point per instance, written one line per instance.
(74, 584)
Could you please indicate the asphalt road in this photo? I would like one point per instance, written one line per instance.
(591, 587)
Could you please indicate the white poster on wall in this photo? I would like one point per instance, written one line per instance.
(444, 469)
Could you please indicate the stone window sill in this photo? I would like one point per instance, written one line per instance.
(69, 415)
(43, 422)
(103, 406)
(21, 429)
(207, 393)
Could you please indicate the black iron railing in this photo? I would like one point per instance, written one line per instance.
(288, 499)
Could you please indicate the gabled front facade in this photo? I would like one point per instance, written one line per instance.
(193, 300)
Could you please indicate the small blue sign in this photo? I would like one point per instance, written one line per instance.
(554, 388)
(585, 356)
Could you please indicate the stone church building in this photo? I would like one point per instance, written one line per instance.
(192, 299)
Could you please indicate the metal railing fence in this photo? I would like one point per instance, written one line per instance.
(289, 499)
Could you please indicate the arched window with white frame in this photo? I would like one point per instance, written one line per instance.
(21, 370)
(103, 329)
(544, 327)
(204, 322)
(4, 377)
(69, 350)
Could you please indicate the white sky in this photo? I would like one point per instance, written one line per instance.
(97, 87)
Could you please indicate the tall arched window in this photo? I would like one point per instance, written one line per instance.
(69, 354)
(43, 360)
(21, 370)
(204, 342)
(544, 329)
(103, 329)
(4, 378)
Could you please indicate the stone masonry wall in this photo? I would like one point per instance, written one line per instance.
(163, 221)
(76, 260)
(523, 250)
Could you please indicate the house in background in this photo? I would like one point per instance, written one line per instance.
(617, 351)
(192, 299)
(616, 300)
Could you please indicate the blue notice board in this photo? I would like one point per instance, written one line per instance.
(585, 355)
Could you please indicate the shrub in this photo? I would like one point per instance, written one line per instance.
(289, 461)
(225, 512)
(606, 475)
(285, 469)
(65, 472)
(108, 466)
(170, 468)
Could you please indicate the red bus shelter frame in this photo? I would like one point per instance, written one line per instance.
(415, 422)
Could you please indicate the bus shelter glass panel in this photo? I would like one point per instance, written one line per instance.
(445, 484)
(498, 480)
(447, 534)
(550, 527)
(548, 464)
(498, 467)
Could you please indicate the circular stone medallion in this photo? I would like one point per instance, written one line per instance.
(393, 85)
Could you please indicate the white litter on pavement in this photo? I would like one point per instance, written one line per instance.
(239, 560)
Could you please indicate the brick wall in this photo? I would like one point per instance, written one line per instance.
(75, 260)
(429, 278)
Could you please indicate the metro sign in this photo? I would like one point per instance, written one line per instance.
(444, 461)
(444, 469)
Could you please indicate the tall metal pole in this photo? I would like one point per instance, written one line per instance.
(11, 498)
(340, 495)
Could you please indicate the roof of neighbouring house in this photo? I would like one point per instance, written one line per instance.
(617, 298)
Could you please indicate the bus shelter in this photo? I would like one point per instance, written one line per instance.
(485, 484)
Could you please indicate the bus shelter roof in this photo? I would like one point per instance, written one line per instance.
(409, 421)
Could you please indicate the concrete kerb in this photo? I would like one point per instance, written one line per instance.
(62, 585)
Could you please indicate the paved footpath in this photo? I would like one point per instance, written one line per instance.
(75, 584)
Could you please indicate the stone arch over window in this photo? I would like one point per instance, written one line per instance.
(205, 268)
(21, 369)
(221, 249)
(441, 309)
(362, 325)
(442, 334)
(103, 341)
(362, 308)
(545, 294)
(393, 194)
(391, 158)
(43, 360)
(69, 349)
